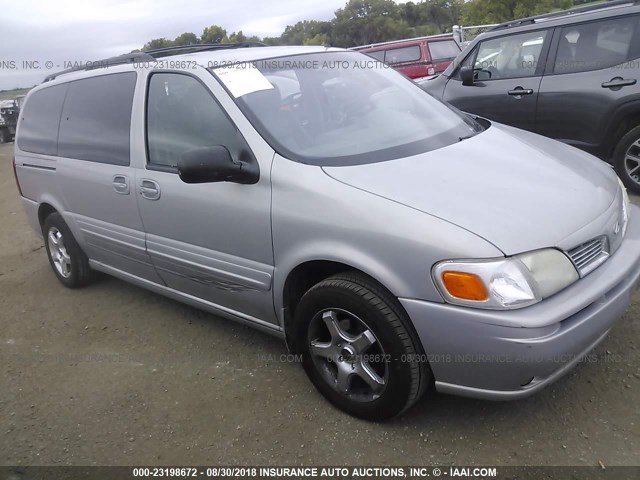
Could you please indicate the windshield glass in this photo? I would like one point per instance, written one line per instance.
(341, 108)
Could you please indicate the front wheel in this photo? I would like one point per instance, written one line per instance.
(626, 159)
(358, 349)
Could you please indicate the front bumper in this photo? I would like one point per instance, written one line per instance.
(503, 355)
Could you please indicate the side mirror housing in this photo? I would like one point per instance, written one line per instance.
(466, 75)
(215, 164)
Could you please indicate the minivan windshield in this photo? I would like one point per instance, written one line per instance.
(341, 108)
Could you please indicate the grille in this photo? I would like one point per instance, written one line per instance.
(589, 256)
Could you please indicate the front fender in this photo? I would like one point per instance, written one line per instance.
(315, 217)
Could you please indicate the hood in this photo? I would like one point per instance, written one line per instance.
(434, 85)
(515, 189)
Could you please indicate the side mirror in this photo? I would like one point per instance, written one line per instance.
(466, 75)
(214, 164)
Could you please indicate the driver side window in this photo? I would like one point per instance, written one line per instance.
(514, 56)
(182, 115)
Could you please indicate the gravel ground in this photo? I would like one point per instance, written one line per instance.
(115, 375)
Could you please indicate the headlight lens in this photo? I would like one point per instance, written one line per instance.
(626, 207)
(505, 283)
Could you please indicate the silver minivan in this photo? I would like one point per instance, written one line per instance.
(395, 243)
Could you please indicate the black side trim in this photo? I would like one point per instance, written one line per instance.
(41, 167)
(156, 167)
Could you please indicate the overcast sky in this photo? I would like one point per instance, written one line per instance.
(84, 30)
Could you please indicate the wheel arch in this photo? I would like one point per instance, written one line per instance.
(310, 272)
(626, 119)
(48, 204)
(306, 274)
(44, 210)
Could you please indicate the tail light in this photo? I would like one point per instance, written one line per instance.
(15, 174)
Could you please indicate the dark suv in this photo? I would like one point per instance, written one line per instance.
(572, 75)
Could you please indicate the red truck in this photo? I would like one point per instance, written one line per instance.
(415, 57)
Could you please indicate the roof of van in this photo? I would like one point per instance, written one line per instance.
(238, 55)
(205, 58)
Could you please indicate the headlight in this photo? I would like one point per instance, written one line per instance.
(505, 283)
(626, 207)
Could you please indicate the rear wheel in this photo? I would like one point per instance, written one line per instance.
(4, 135)
(626, 159)
(68, 261)
(358, 349)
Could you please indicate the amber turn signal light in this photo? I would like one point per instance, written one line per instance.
(465, 285)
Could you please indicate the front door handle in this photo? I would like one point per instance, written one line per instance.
(149, 189)
(121, 184)
(619, 82)
(519, 91)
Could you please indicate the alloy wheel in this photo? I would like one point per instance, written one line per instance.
(58, 252)
(348, 355)
(632, 161)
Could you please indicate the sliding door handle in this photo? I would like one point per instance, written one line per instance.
(121, 184)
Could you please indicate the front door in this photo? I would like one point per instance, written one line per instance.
(212, 240)
(508, 71)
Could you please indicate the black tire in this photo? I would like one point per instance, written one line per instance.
(378, 310)
(79, 272)
(620, 162)
(4, 136)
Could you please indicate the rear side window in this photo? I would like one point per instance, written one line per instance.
(182, 115)
(403, 54)
(595, 45)
(443, 50)
(40, 121)
(96, 119)
(379, 55)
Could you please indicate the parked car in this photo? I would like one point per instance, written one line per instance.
(391, 240)
(573, 76)
(19, 100)
(415, 57)
(9, 110)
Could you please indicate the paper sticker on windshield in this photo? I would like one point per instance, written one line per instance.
(242, 79)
